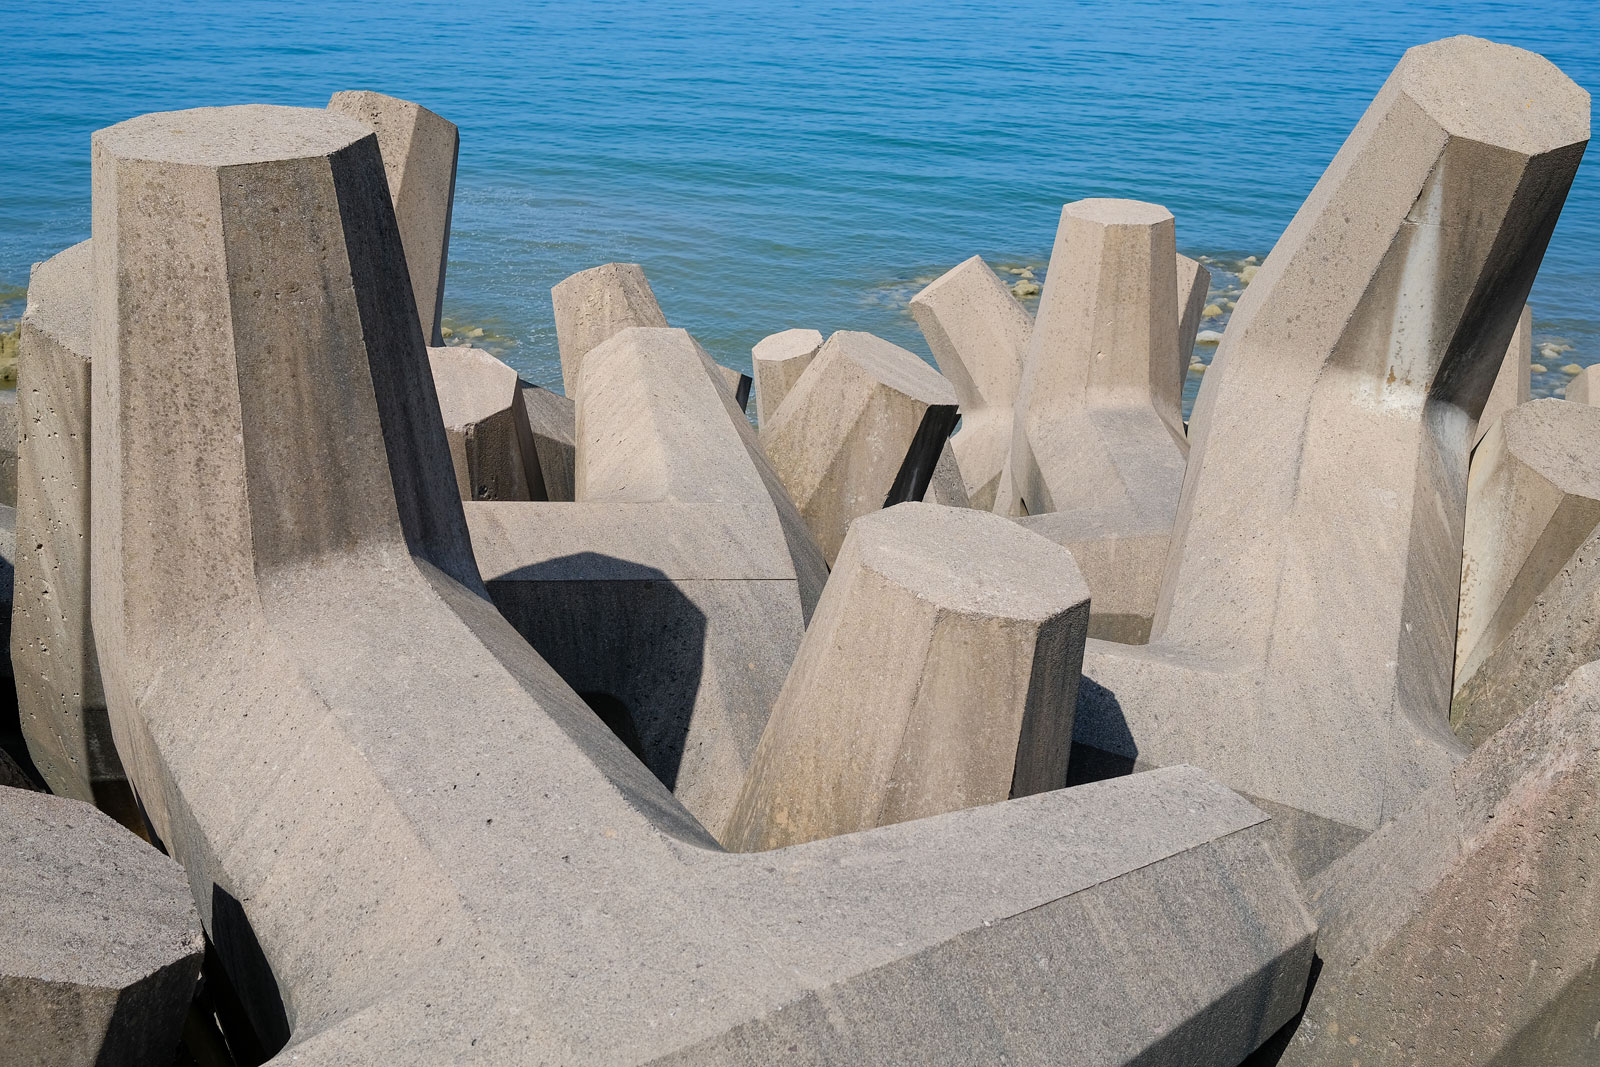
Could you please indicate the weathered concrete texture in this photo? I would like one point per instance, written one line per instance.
(594, 305)
(412, 841)
(842, 435)
(59, 698)
(978, 334)
(8, 447)
(1585, 387)
(947, 486)
(940, 672)
(676, 622)
(1533, 501)
(1463, 931)
(1098, 432)
(1126, 558)
(1194, 284)
(777, 361)
(1303, 644)
(478, 398)
(99, 942)
(670, 596)
(1514, 384)
(550, 421)
(419, 161)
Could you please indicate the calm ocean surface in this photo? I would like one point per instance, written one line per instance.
(779, 165)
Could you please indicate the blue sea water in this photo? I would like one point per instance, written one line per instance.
(781, 165)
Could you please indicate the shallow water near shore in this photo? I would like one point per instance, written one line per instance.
(774, 166)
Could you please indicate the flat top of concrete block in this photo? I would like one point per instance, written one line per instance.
(970, 561)
(1533, 109)
(59, 297)
(369, 103)
(1110, 212)
(82, 900)
(231, 136)
(1558, 440)
(894, 366)
(951, 278)
(788, 344)
(472, 385)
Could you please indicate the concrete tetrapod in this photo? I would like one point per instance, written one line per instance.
(594, 305)
(490, 440)
(1585, 387)
(411, 841)
(1194, 285)
(9, 443)
(419, 161)
(674, 594)
(1533, 500)
(550, 423)
(99, 943)
(1098, 432)
(1303, 644)
(843, 436)
(777, 361)
(1462, 932)
(1513, 385)
(59, 696)
(978, 334)
(939, 673)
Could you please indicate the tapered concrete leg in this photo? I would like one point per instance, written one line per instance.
(479, 397)
(412, 842)
(1585, 388)
(549, 422)
(1462, 932)
(777, 362)
(101, 946)
(939, 673)
(979, 335)
(419, 161)
(1533, 501)
(595, 305)
(59, 696)
(1194, 283)
(844, 431)
(1303, 644)
(1513, 385)
(1098, 429)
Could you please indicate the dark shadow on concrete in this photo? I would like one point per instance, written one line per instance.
(1112, 753)
(623, 636)
(1273, 1048)
(250, 980)
(916, 470)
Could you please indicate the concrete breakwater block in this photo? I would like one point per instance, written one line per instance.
(99, 942)
(490, 437)
(1303, 644)
(1193, 286)
(594, 305)
(673, 595)
(419, 161)
(59, 696)
(844, 434)
(1462, 931)
(939, 672)
(777, 361)
(1533, 506)
(1098, 436)
(549, 426)
(410, 841)
(978, 334)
